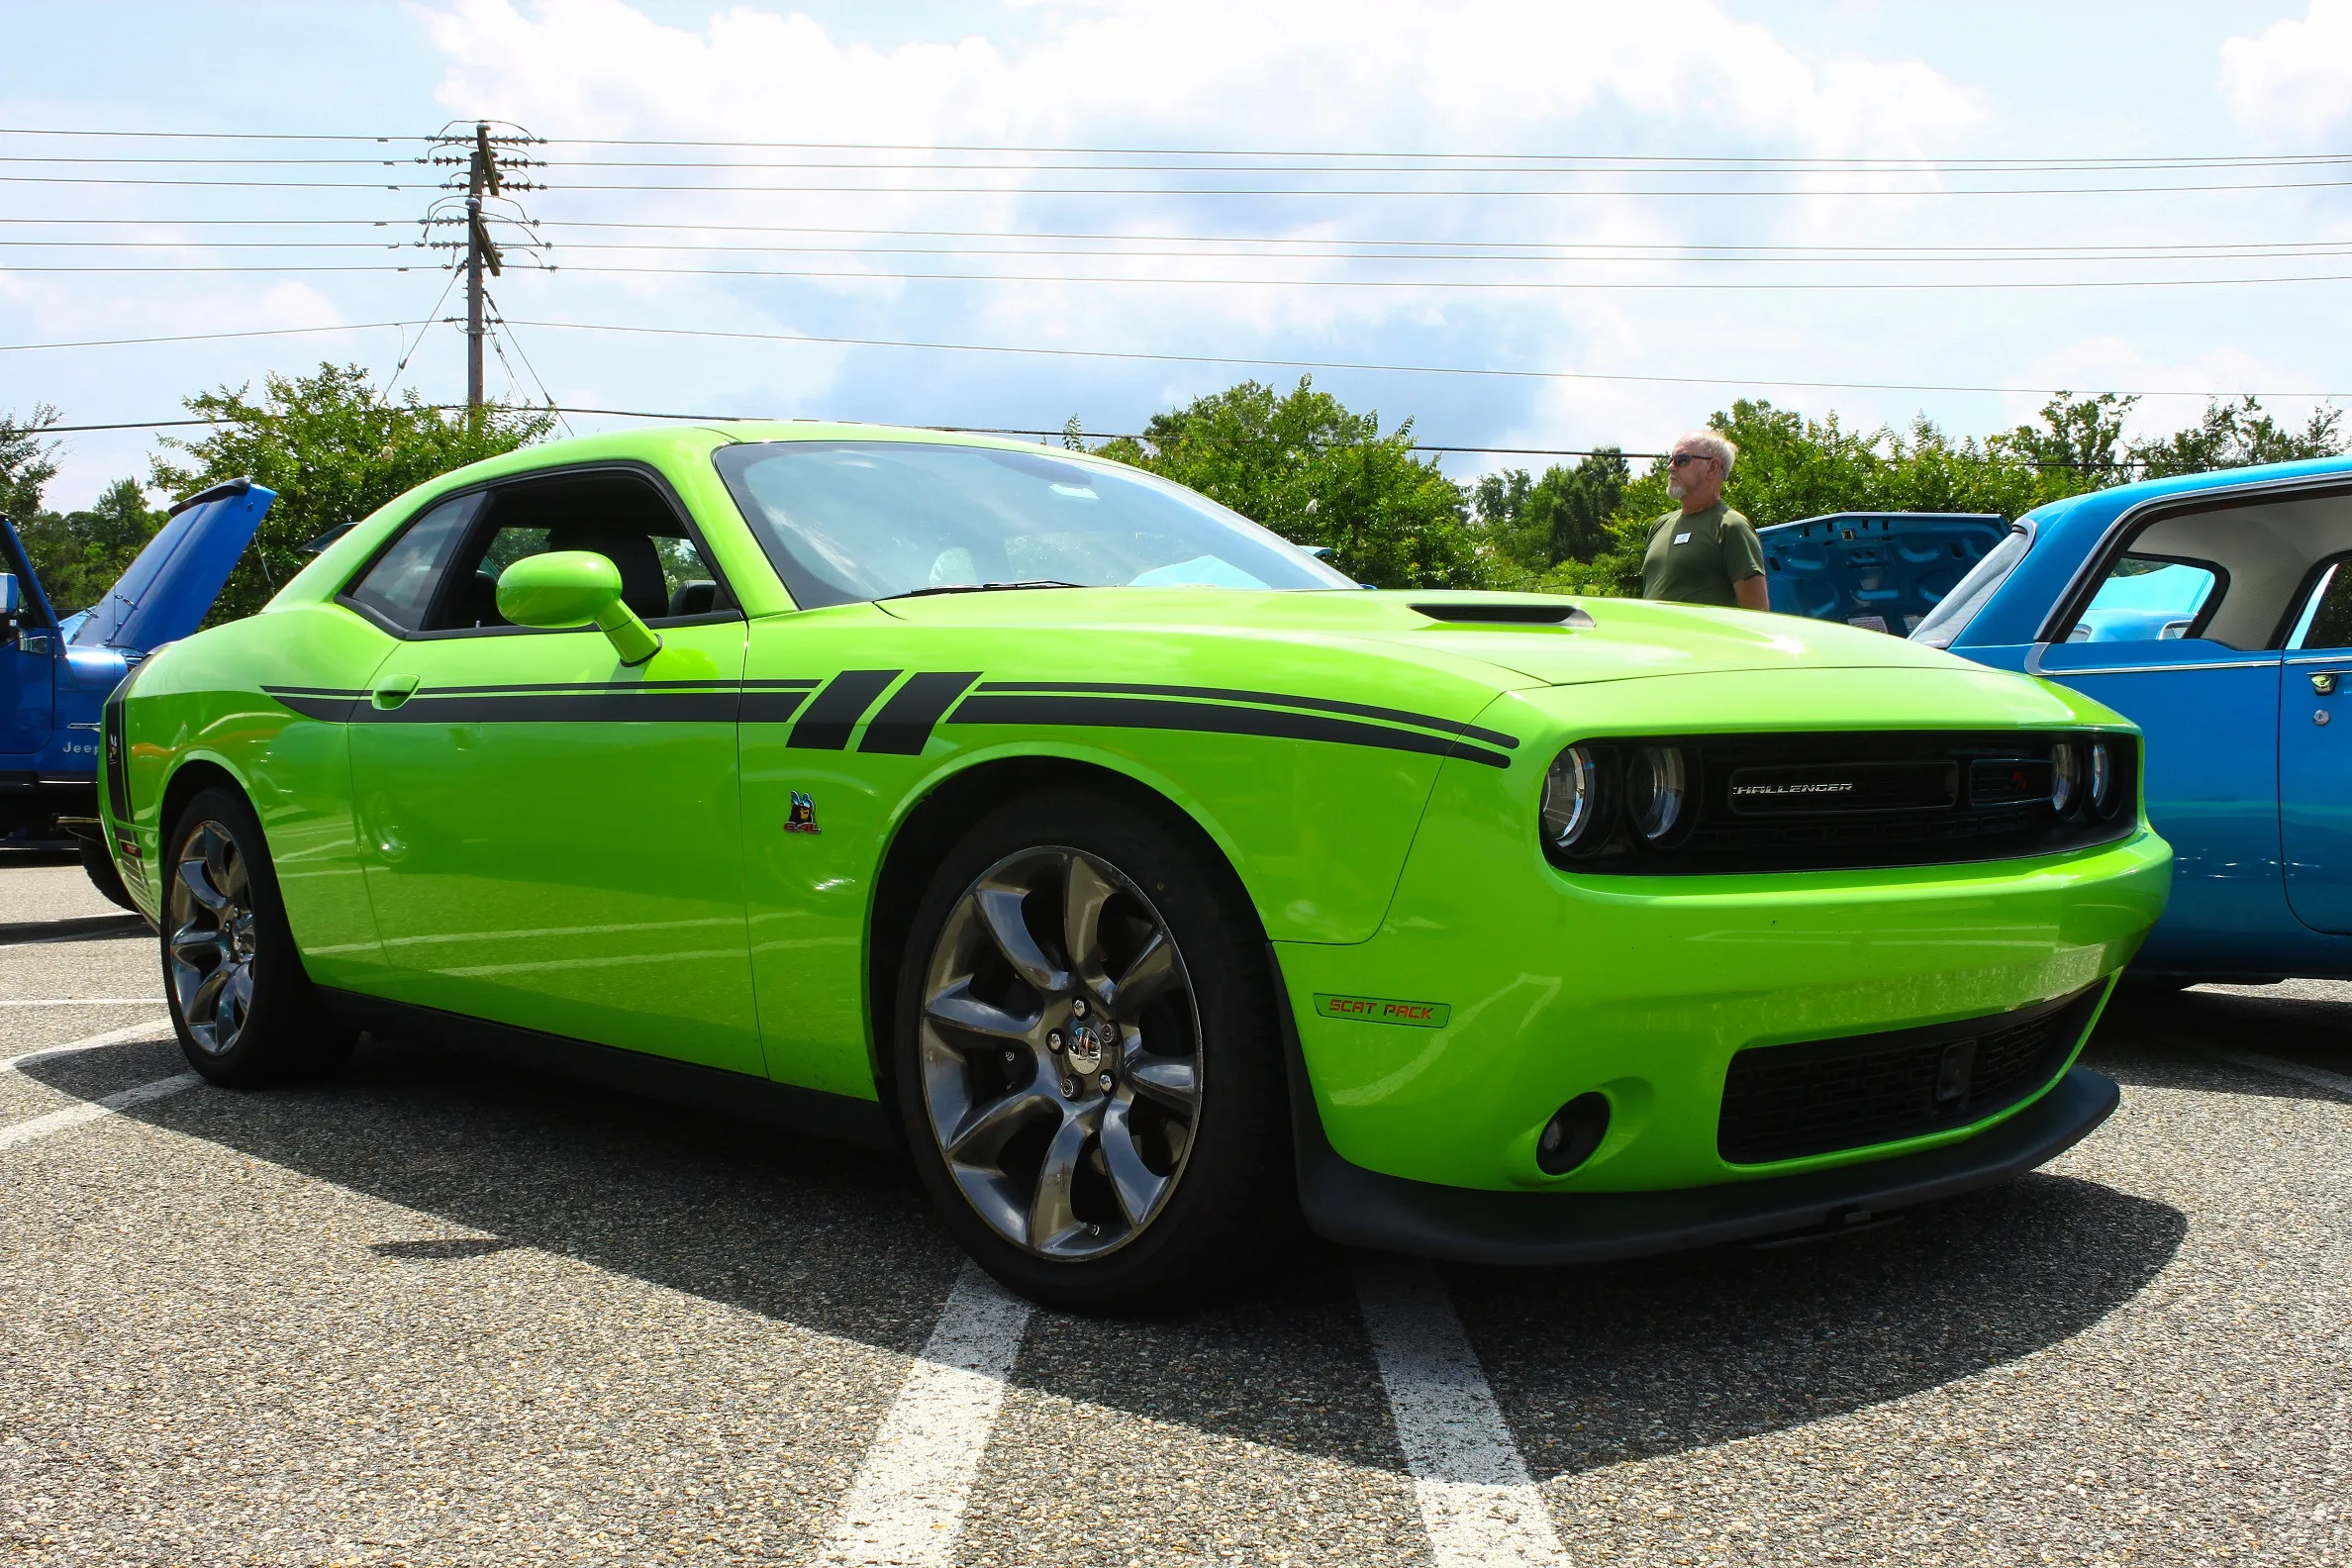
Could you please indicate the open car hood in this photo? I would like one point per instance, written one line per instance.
(1882, 570)
(165, 593)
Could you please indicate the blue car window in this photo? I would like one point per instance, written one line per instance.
(2146, 599)
(2326, 618)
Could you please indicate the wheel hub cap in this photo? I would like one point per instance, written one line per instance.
(209, 908)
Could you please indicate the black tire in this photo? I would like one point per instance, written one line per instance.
(99, 867)
(1226, 1189)
(242, 1004)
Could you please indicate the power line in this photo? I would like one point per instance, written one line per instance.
(211, 337)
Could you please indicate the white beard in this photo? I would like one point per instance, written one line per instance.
(1675, 491)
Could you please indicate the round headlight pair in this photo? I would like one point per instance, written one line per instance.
(1580, 792)
(2069, 786)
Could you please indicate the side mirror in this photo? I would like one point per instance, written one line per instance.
(569, 588)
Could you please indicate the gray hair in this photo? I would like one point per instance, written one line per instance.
(1709, 443)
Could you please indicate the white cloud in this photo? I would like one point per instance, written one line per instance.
(2293, 80)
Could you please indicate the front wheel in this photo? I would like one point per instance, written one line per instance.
(1089, 1060)
(241, 1003)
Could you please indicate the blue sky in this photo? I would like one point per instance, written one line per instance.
(1678, 78)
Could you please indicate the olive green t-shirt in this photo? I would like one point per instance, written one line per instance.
(1694, 558)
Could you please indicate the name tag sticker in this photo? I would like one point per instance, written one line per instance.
(1383, 1010)
(1682, 538)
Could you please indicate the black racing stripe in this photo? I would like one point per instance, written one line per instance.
(1144, 712)
(905, 722)
(836, 711)
(560, 688)
(772, 706)
(1221, 694)
(324, 703)
(642, 706)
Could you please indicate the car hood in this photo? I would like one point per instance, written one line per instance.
(165, 594)
(1604, 639)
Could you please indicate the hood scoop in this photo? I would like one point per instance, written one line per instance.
(1507, 614)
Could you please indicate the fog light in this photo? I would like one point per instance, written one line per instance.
(2066, 777)
(1572, 1134)
(1654, 790)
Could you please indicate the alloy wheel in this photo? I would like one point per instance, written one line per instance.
(213, 942)
(1061, 1053)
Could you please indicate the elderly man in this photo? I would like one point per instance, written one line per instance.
(1706, 554)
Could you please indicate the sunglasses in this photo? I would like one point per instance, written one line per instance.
(1678, 459)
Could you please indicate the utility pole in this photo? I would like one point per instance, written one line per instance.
(487, 154)
(481, 177)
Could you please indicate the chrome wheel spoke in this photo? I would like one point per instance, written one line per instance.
(195, 875)
(1137, 1185)
(1054, 1217)
(1002, 915)
(1152, 974)
(1172, 1082)
(957, 1009)
(1083, 896)
(981, 1134)
(192, 946)
(203, 1005)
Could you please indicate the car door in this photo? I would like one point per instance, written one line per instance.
(2315, 752)
(2209, 714)
(551, 839)
(28, 680)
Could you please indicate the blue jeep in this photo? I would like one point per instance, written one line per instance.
(56, 673)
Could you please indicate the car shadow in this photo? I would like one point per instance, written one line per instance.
(2169, 1039)
(1592, 1365)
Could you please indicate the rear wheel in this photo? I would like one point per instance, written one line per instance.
(99, 867)
(1088, 1061)
(241, 1005)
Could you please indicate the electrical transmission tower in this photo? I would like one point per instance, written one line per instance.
(482, 158)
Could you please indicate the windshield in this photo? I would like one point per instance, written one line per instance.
(1955, 609)
(845, 521)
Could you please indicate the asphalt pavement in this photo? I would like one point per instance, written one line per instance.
(440, 1312)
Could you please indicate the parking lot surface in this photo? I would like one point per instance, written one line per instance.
(439, 1312)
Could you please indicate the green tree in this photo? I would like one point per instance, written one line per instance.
(1535, 524)
(26, 462)
(2238, 436)
(1302, 465)
(334, 450)
(79, 554)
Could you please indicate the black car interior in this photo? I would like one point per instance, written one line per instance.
(619, 515)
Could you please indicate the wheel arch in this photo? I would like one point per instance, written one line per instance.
(939, 816)
(190, 776)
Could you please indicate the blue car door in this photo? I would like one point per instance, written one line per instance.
(27, 679)
(2316, 755)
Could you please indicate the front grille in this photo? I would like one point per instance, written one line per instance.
(1854, 800)
(1786, 1102)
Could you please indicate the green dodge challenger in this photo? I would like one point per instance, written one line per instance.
(1147, 881)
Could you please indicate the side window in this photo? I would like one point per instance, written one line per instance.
(2146, 599)
(2326, 618)
(398, 587)
(664, 576)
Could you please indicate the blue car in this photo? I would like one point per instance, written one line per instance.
(2215, 612)
(56, 671)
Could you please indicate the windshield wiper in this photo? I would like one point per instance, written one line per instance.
(986, 587)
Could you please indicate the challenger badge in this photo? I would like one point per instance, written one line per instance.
(804, 814)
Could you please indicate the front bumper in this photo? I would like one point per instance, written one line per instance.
(1360, 1208)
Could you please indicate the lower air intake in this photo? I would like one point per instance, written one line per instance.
(1787, 1102)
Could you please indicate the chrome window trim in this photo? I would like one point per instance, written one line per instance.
(2033, 664)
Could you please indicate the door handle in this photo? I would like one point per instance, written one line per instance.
(395, 691)
(2324, 683)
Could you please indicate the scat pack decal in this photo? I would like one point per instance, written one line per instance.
(1383, 1009)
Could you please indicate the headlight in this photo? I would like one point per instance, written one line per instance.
(1655, 791)
(1576, 801)
(2066, 777)
(2102, 778)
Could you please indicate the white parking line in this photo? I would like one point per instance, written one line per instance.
(136, 1032)
(2318, 1076)
(1478, 1502)
(26, 1131)
(144, 1001)
(906, 1507)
